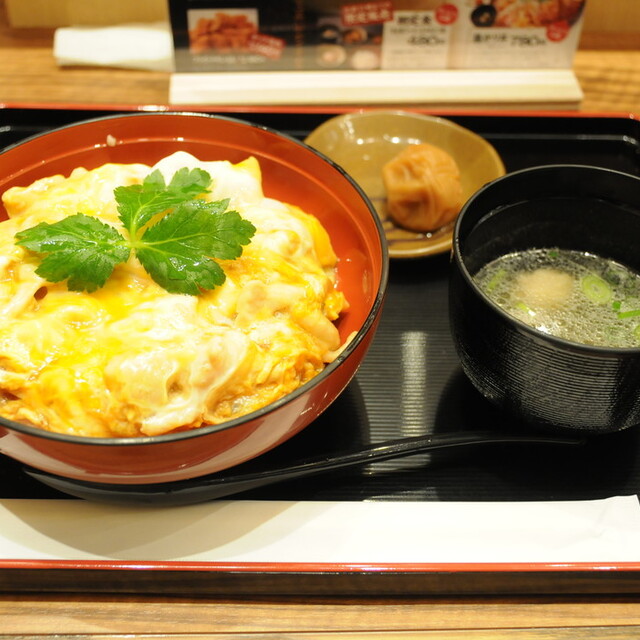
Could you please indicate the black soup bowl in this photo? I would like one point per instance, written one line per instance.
(540, 379)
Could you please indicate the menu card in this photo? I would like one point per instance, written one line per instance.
(335, 35)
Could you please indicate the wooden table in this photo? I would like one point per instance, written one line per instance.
(610, 78)
(28, 75)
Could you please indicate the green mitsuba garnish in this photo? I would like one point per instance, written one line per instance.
(175, 234)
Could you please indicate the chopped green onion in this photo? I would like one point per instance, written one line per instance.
(616, 304)
(497, 277)
(629, 314)
(523, 307)
(596, 289)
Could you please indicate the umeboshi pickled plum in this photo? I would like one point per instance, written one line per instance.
(423, 187)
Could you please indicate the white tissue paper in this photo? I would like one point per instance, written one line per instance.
(146, 46)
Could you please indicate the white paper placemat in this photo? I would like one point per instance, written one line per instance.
(324, 532)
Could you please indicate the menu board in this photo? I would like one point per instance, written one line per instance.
(306, 35)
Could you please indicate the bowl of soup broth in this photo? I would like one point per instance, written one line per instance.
(544, 296)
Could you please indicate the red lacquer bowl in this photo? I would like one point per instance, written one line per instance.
(292, 172)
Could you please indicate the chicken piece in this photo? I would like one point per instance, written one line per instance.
(423, 187)
(543, 288)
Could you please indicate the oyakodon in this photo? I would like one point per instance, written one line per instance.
(132, 359)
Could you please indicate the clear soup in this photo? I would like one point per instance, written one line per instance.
(569, 294)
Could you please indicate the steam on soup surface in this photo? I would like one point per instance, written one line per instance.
(573, 295)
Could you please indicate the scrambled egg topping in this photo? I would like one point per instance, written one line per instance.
(131, 359)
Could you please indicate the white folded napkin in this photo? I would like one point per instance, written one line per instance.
(131, 46)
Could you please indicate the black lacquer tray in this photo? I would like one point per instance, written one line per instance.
(411, 384)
